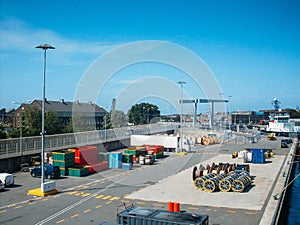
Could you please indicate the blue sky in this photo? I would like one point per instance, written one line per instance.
(251, 47)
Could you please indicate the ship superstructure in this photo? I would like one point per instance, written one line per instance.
(281, 123)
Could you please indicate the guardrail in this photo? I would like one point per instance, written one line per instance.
(28, 145)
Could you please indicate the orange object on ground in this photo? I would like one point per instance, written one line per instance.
(176, 207)
(171, 206)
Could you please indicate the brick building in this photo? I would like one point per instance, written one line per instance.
(91, 113)
(6, 117)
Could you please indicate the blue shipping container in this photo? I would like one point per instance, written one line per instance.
(115, 160)
(258, 156)
(126, 166)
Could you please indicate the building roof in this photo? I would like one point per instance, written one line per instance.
(63, 106)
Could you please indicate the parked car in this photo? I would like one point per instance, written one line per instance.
(284, 144)
(2, 187)
(7, 179)
(288, 141)
(25, 167)
(50, 171)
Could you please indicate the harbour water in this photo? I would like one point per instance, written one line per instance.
(291, 207)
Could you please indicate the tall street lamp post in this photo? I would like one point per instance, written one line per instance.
(181, 136)
(225, 113)
(229, 102)
(229, 110)
(105, 128)
(105, 123)
(148, 113)
(148, 119)
(45, 47)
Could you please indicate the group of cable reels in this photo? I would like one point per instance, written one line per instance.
(223, 177)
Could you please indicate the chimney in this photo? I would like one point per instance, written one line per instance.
(76, 101)
(90, 102)
(62, 101)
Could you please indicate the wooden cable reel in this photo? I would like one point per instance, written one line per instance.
(241, 183)
(199, 182)
(212, 184)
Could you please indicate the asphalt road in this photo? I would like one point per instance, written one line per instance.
(95, 198)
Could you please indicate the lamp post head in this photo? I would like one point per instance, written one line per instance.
(45, 47)
(21, 103)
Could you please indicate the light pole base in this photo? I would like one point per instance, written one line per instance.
(181, 153)
(38, 192)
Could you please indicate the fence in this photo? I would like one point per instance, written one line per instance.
(29, 145)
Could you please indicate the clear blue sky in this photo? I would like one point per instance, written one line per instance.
(252, 47)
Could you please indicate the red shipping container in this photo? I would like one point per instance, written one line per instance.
(154, 148)
(86, 154)
(90, 161)
(96, 167)
(99, 167)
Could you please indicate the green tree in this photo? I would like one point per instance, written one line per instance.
(143, 113)
(67, 128)
(114, 119)
(3, 133)
(14, 133)
(53, 124)
(118, 118)
(106, 123)
(33, 122)
(293, 113)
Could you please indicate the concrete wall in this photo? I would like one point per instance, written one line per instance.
(11, 165)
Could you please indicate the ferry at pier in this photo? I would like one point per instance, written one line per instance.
(281, 123)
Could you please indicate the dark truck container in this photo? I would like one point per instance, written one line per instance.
(138, 215)
(50, 171)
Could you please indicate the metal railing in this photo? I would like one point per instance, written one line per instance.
(30, 145)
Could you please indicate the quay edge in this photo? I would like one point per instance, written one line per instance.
(276, 198)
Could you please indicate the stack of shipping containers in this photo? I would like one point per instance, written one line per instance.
(156, 150)
(85, 160)
(63, 159)
(86, 157)
(136, 152)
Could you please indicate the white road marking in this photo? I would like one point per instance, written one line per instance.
(76, 204)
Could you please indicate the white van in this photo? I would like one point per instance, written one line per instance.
(7, 179)
(1, 186)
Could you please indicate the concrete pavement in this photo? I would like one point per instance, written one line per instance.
(180, 187)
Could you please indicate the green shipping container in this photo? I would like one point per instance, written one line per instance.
(127, 158)
(63, 155)
(64, 171)
(63, 164)
(136, 152)
(79, 172)
(158, 155)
